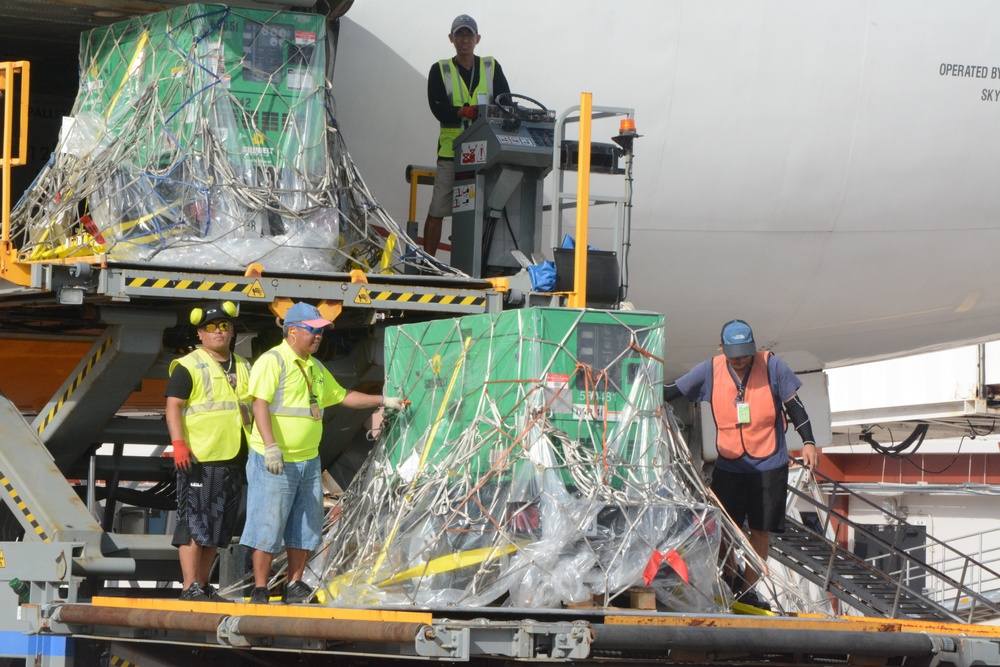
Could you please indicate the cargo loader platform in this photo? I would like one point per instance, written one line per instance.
(239, 631)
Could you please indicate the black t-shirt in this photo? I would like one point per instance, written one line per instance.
(179, 385)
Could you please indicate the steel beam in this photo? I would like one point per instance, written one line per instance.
(34, 488)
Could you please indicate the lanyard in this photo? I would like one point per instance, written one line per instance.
(473, 75)
(741, 387)
(312, 399)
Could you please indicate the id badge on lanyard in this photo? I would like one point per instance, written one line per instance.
(314, 409)
(742, 412)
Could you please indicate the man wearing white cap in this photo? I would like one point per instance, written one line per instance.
(745, 388)
(454, 87)
(290, 389)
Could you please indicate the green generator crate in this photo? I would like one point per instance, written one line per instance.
(482, 386)
(255, 77)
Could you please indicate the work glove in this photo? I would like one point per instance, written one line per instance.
(395, 403)
(273, 460)
(469, 112)
(182, 455)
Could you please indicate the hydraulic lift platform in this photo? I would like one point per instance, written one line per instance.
(93, 339)
(244, 632)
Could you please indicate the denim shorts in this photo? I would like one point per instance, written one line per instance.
(288, 506)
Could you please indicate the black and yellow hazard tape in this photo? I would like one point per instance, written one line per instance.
(12, 492)
(115, 661)
(74, 385)
(252, 289)
(469, 300)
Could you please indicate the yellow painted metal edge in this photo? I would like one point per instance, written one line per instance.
(280, 610)
(11, 269)
(810, 622)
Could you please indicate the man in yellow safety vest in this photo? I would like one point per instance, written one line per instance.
(454, 88)
(208, 417)
(290, 389)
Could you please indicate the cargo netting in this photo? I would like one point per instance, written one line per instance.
(536, 467)
(206, 137)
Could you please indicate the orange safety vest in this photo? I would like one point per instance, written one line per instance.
(757, 439)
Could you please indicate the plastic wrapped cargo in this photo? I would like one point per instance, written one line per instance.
(535, 468)
(203, 137)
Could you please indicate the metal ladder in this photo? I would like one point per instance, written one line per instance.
(822, 557)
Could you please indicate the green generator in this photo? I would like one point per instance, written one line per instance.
(485, 388)
(197, 103)
(254, 76)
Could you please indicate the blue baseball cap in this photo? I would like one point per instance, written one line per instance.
(303, 313)
(737, 339)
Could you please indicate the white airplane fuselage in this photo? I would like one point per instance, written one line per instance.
(823, 169)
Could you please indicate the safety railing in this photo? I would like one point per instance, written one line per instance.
(953, 584)
(15, 82)
(982, 548)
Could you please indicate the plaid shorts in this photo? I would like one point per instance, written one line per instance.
(208, 503)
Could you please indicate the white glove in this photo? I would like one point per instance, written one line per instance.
(273, 460)
(395, 403)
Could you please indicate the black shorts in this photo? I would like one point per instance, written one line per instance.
(758, 498)
(208, 503)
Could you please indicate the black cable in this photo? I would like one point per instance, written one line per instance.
(913, 440)
(488, 231)
(626, 233)
(980, 434)
(936, 472)
(513, 236)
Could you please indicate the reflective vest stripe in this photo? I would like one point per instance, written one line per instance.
(445, 66)
(278, 406)
(210, 407)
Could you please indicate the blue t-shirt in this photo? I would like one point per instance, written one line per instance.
(696, 386)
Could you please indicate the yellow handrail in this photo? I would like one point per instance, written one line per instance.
(578, 297)
(22, 69)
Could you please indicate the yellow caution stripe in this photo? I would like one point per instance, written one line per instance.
(24, 508)
(115, 661)
(252, 289)
(411, 297)
(74, 385)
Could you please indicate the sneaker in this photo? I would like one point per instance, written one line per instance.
(214, 595)
(750, 597)
(297, 592)
(260, 595)
(193, 593)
